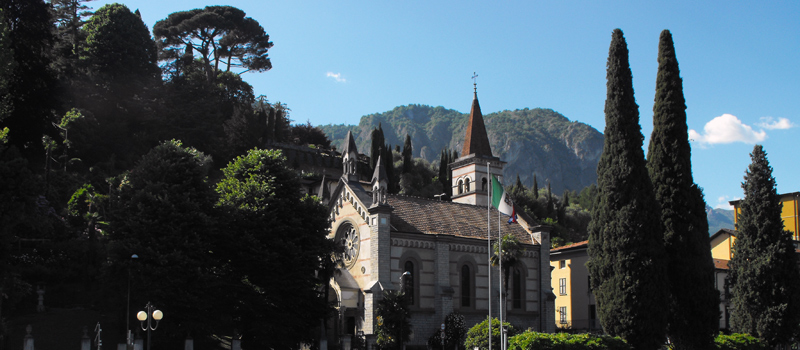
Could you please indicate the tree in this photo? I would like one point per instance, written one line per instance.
(455, 333)
(763, 278)
(376, 147)
(69, 18)
(7, 65)
(31, 79)
(163, 213)
(394, 327)
(694, 313)
(408, 160)
(306, 134)
(478, 335)
(506, 254)
(259, 191)
(119, 51)
(219, 34)
(626, 253)
(535, 188)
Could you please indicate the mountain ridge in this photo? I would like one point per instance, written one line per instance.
(532, 141)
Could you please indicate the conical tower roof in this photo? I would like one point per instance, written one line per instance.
(350, 144)
(379, 173)
(476, 141)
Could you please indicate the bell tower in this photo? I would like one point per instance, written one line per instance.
(471, 171)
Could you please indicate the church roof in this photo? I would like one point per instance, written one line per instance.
(420, 215)
(350, 144)
(476, 141)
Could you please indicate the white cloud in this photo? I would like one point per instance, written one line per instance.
(770, 123)
(336, 76)
(722, 202)
(727, 129)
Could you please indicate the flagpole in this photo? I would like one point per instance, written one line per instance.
(500, 279)
(489, 244)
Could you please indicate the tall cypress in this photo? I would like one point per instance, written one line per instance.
(763, 278)
(694, 311)
(535, 188)
(626, 253)
(407, 155)
(376, 146)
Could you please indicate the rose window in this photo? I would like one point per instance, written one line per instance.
(351, 243)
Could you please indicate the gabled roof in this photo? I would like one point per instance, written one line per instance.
(476, 140)
(420, 215)
(722, 231)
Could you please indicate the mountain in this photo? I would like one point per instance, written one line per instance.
(531, 141)
(718, 219)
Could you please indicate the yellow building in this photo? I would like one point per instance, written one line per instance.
(575, 303)
(789, 214)
(721, 244)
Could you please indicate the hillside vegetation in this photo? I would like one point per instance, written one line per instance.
(532, 141)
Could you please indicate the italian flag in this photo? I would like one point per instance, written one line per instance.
(501, 201)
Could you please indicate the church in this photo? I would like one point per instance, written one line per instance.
(443, 245)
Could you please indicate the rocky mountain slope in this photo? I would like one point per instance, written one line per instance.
(531, 141)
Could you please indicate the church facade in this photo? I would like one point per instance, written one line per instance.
(443, 245)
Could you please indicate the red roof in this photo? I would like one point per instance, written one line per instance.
(720, 264)
(568, 246)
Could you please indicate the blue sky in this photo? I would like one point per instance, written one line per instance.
(335, 61)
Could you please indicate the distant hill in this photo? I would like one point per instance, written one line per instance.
(719, 219)
(532, 141)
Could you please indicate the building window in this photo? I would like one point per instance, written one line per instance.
(518, 289)
(562, 311)
(562, 264)
(460, 187)
(466, 286)
(409, 267)
(483, 184)
(466, 184)
(562, 286)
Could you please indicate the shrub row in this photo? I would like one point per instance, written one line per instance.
(565, 341)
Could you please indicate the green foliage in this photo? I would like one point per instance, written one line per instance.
(455, 333)
(259, 191)
(530, 140)
(394, 327)
(478, 335)
(420, 180)
(564, 341)
(376, 145)
(763, 277)
(694, 312)
(407, 155)
(219, 34)
(627, 263)
(507, 253)
(739, 341)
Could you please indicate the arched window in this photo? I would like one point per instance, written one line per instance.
(460, 187)
(518, 289)
(466, 286)
(409, 267)
(466, 184)
(483, 184)
(347, 235)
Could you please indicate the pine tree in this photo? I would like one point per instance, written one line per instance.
(763, 278)
(407, 155)
(694, 313)
(626, 254)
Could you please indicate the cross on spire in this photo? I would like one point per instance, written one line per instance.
(475, 82)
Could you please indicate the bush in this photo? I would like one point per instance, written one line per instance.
(476, 336)
(455, 333)
(739, 341)
(565, 341)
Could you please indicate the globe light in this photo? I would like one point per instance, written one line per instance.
(141, 316)
(158, 315)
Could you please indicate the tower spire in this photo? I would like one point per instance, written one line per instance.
(476, 140)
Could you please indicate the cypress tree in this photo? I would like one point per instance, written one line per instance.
(626, 253)
(519, 188)
(763, 276)
(407, 155)
(535, 188)
(694, 311)
(387, 157)
(376, 146)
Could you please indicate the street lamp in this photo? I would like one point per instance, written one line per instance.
(148, 316)
(129, 339)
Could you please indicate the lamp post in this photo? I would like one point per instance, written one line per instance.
(442, 336)
(129, 338)
(148, 316)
